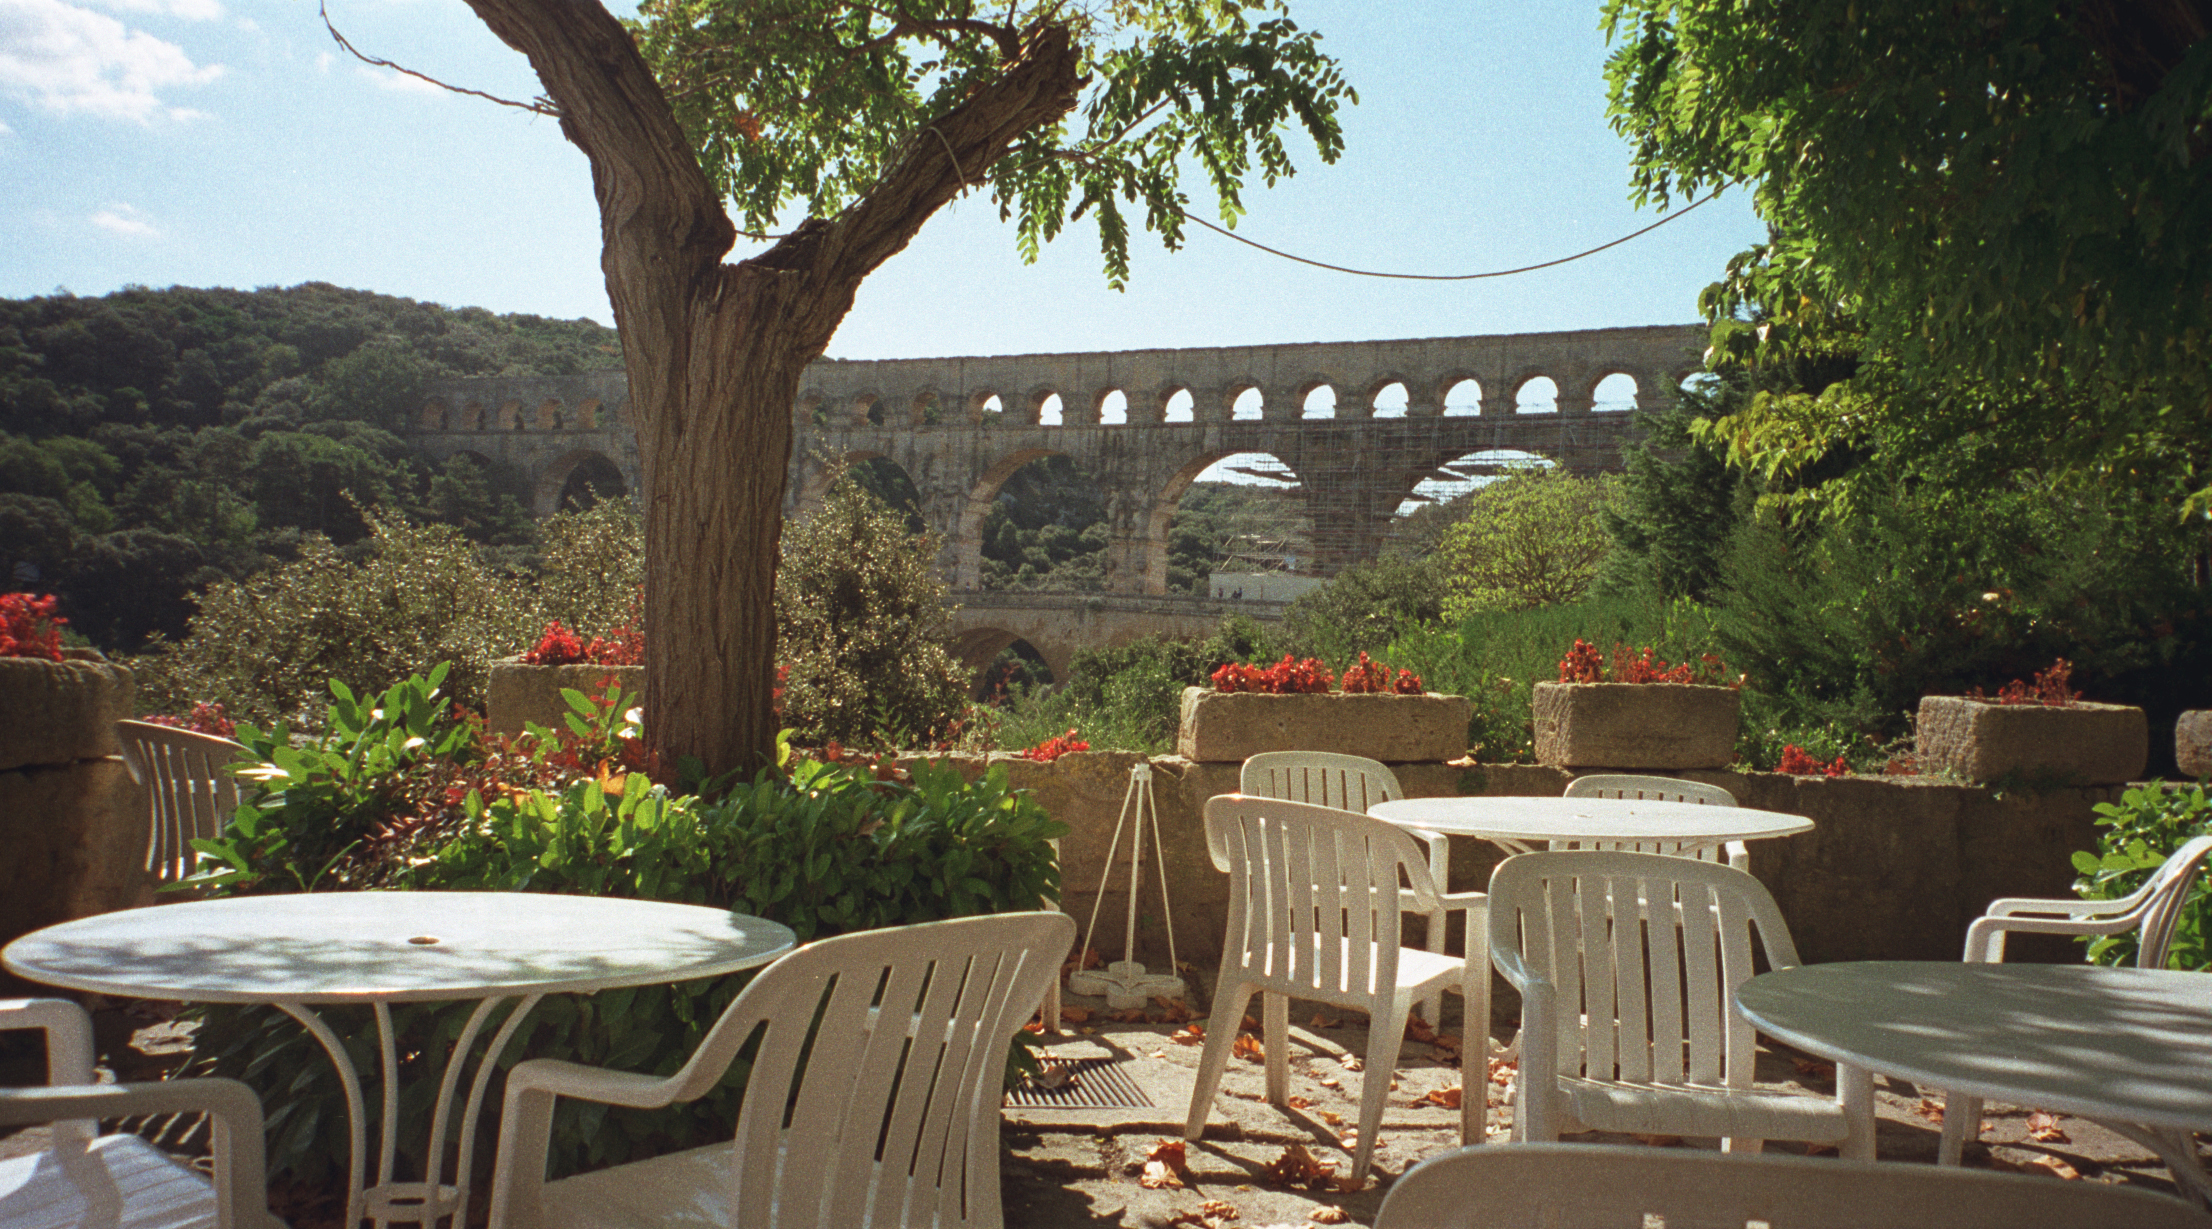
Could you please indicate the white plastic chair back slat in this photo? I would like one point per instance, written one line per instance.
(1658, 789)
(1627, 964)
(1325, 778)
(189, 790)
(873, 1097)
(1595, 1186)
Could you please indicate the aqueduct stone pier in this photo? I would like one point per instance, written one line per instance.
(1144, 423)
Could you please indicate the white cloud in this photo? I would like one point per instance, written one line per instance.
(399, 83)
(324, 61)
(126, 220)
(69, 59)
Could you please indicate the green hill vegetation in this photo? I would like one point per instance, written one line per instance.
(154, 441)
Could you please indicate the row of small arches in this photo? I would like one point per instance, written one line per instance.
(1616, 392)
(551, 414)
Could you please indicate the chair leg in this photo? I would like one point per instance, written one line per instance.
(1275, 1032)
(1474, 1031)
(1221, 1034)
(1386, 1031)
(1432, 1007)
(1962, 1120)
(1855, 1089)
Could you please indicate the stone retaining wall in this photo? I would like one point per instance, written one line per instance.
(1894, 869)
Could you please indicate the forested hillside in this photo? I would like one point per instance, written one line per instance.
(154, 440)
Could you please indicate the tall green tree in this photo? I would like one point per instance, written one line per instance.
(2009, 199)
(1535, 538)
(864, 118)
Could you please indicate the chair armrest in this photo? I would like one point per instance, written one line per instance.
(241, 1179)
(2014, 906)
(1985, 939)
(581, 1083)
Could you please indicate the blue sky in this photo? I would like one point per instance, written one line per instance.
(230, 142)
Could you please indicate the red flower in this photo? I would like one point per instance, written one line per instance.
(1055, 747)
(29, 627)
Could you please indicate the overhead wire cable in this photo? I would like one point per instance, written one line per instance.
(1441, 277)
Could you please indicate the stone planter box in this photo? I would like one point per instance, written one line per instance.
(59, 712)
(2080, 744)
(1635, 725)
(2193, 742)
(73, 821)
(1392, 728)
(518, 694)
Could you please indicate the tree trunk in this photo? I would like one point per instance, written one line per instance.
(715, 351)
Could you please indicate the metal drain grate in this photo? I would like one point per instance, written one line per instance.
(1093, 1084)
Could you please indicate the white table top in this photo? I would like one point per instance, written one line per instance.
(1587, 819)
(395, 947)
(2132, 1045)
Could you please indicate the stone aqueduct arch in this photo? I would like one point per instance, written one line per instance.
(930, 417)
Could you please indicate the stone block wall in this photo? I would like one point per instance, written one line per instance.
(1895, 868)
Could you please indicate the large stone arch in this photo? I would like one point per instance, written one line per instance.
(964, 545)
(547, 488)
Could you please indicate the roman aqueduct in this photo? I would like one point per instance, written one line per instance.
(1144, 423)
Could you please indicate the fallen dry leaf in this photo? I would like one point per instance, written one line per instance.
(1251, 1025)
(1814, 1068)
(1328, 1216)
(1173, 1011)
(1185, 1217)
(1930, 1109)
(1248, 1046)
(1299, 1103)
(1502, 1070)
(1297, 1167)
(1075, 1015)
(1330, 1081)
(2053, 1165)
(1218, 1209)
(1322, 1021)
(2043, 1128)
(1090, 959)
(1443, 1098)
(1332, 1117)
(1034, 1026)
(1127, 1015)
(1193, 1033)
(1159, 1053)
(1164, 1166)
(1418, 1029)
(1350, 1062)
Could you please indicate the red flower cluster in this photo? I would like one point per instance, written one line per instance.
(1053, 748)
(1365, 677)
(1585, 664)
(206, 717)
(1797, 762)
(29, 627)
(1284, 678)
(2049, 688)
(558, 646)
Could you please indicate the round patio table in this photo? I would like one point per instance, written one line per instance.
(1519, 825)
(380, 948)
(2131, 1048)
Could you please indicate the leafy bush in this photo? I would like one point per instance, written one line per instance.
(862, 626)
(266, 647)
(1127, 697)
(1535, 538)
(1363, 609)
(2141, 831)
(395, 796)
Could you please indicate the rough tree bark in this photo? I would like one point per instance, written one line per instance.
(715, 351)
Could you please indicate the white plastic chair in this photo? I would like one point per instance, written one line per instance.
(1628, 1025)
(873, 1098)
(121, 1181)
(2151, 911)
(1593, 1186)
(1661, 789)
(189, 790)
(1314, 913)
(1349, 783)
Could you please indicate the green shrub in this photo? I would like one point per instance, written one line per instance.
(1127, 697)
(2141, 831)
(861, 627)
(823, 849)
(266, 647)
